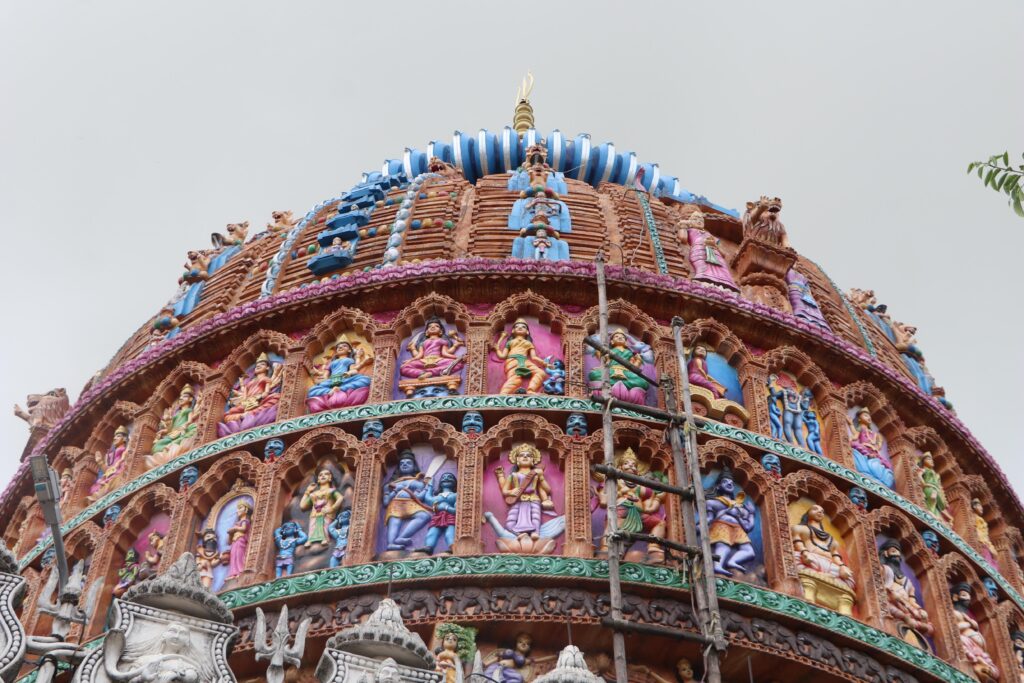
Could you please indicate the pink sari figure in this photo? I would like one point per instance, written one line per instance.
(707, 261)
(253, 399)
(238, 540)
(110, 463)
(697, 372)
(433, 353)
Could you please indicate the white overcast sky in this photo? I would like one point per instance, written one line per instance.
(129, 131)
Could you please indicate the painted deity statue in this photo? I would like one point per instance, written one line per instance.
(339, 534)
(697, 372)
(526, 491)
(931, 485)
(801, 300)
(340, 380)
(437, 357)
(511, 665)
(525, 370)
(177, 429)
(912, 619)
(169, 657)
(810, 421)
(981, 526)
(626, 385)
(405, 512)
(816, 549)
(442, 502)
(1018, 652)
(287, 537)
(128, 574)
(868, 449)
(253, 400)
(67, 480)
(790, 412)
(111, 463)
(238, 539)
(638, 508)
(971, 638)
(208, 556)
(731, 517)
(433, 352)
(153, 554)
(322, 500)
(456, 647)
(705, 255)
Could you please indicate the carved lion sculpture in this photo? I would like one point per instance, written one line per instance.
(282, 222)
(761, 221)
(44, 410)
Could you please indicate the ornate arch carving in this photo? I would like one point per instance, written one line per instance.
(527, 303)
(624, 313)
(862, 393)
(218, 480)
(299, 459)
(525, 427)
(647, 442)
(415, 314)
(122, 412)
(803, 368)
(427, 429)
(167, 391)
(328, 329)
(720, 338)
(245, 354)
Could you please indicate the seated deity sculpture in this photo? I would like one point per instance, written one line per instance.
(253, 399)
(177, 429)
(971, 637)
(824, 575)
(511, 665)
(111, 464)
(911, 618)
(437, 358)
(626, 385)
(340, 381)
(869, 454)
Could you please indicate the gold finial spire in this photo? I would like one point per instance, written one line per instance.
(522, 120)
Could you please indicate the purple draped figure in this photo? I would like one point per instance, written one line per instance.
(707, 261)
(801, 299)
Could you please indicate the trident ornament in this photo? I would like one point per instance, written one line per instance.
(277, 650)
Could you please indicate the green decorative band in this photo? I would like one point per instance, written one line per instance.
(381, 573)
(652, 228)
(522, 403)
(849, 309)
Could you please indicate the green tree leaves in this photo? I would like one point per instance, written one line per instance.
(998, 174)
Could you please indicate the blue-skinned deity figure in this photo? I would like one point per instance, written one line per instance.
(287, 537)
(405, 513)
(931, 540)
(810, 420)
(111, 515)
(731, 517)
(442, 503)
(432, 391)
(772, 464)
(576, 425)
(859, 497)
(555, 383)
(472, 423)
(338, 531)
(792, 418)
(273, 450)
(990, 587)
(870, 455)
(372, 429)
(188, 477)
(775, 396)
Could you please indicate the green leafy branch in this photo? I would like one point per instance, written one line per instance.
(998, 174)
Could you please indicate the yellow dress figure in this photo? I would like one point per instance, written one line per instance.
(322, 501)
(522, 363)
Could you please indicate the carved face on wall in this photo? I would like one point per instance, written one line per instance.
(273, 449)
(990, 587)
(372, 429)
(772, 464)
(684, 670)
(188, 477)
(472, 422)
(524, 643)
(931, 540)
(576, 425)
(859, 497)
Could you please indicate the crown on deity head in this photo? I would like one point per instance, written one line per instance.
(264, 358)
(628, 456)
(187, 390)
(527, 447)
(121, 431)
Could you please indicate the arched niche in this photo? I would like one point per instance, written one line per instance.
(642, 336)
(326, 361)
(532, 520)
(876, 437)
(542, 370)
(802, 409)
(980, 616)
(112, 444)
(239, 376)
(171, 422)
(719, 377)
(758, 559)
(432, 357)
(313, 510)
(417, 461)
